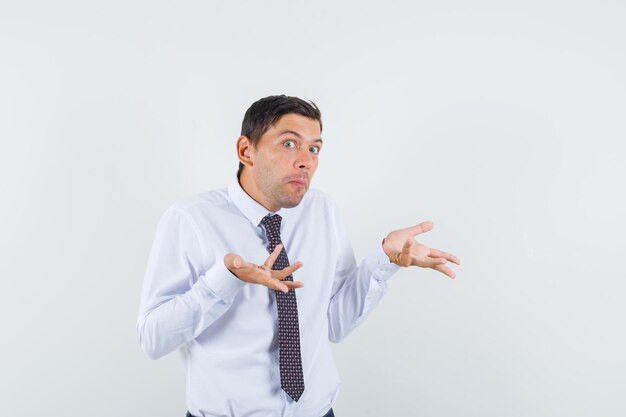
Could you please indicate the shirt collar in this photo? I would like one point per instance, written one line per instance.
(250, 208)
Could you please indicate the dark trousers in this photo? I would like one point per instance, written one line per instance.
(329, 414)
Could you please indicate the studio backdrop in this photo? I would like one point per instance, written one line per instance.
(501, 122)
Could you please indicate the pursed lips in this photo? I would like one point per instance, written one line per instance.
(299, 181)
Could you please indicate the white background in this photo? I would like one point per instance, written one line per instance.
(502, 122)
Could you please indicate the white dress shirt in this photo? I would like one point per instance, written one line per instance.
(226, 329)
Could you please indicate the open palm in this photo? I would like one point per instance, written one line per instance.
(402, 249)
(263, 274)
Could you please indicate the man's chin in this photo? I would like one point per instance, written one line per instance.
(292, 202)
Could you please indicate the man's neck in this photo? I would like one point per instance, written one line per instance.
(249, 187)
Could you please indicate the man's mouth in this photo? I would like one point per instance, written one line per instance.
(299, 182)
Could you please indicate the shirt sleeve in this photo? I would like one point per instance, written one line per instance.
(356, 288)
(183, 291)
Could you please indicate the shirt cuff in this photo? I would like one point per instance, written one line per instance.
(378, 262)
(223, 283)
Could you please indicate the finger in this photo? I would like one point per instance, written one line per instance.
(293, 284)
(284, 286)
(275, 284)
(441, 254)
(406, 249)
(284, 273)
(401, 258)
(421, 228)
(269, 262)
(429, 262)
(280, 286)
(445, 270)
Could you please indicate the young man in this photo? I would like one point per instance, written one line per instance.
(253, 340)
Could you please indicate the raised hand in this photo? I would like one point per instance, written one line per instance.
(263, 274)
(402, 249)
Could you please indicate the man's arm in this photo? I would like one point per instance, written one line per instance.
(184, 291)
(356, 289)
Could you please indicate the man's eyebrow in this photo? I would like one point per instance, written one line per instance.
(292, 132)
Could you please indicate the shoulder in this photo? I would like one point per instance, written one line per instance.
(318, 199)
(317, 195)
(200, 204)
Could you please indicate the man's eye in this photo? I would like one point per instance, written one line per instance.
(289, 144)
(314, 149)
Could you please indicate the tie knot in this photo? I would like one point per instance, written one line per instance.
(272, 226)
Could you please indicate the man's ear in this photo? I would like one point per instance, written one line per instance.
(244, 150)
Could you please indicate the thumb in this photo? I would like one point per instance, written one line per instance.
(406, 249)
(233, 261)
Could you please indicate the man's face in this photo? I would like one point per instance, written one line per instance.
(285, 160)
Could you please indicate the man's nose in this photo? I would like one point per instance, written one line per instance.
(304, 158)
